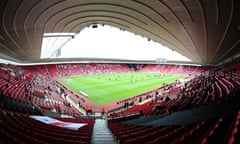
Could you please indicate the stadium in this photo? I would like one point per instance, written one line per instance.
(51, 96)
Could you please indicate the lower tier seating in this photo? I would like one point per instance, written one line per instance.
(220, 130)
(21, 128)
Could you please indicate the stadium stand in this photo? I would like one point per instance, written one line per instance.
(26, 91)
(200, 90)
(36, 90)
(20, 128)
(201, 108)
(207, 130)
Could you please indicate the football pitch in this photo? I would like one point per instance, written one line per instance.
(106, 88)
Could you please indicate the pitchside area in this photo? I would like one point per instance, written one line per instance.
(106, 88)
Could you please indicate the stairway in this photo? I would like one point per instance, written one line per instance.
(102, 134)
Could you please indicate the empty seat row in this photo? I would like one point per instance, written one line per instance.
(220, 130)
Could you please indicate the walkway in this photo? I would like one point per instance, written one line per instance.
(101, 133)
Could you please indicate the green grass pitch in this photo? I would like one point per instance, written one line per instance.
(106, 88)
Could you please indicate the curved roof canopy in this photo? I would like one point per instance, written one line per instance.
(206, 31)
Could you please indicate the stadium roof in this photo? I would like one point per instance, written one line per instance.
(206, 31)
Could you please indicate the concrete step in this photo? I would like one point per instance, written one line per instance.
(102, 134)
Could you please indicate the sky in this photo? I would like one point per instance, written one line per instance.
(111, 42)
